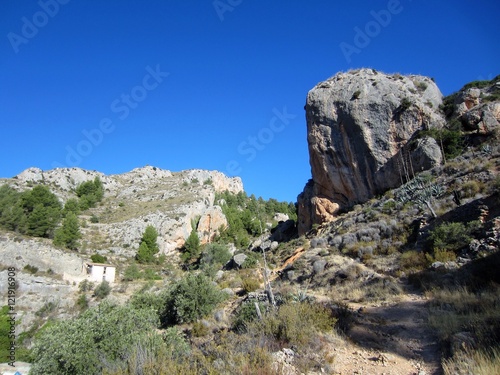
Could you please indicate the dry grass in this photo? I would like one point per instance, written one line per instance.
(481, 362)
(459, 310)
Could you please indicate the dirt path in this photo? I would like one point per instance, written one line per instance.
(393, 340)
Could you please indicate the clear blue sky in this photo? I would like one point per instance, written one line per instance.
(114, 85)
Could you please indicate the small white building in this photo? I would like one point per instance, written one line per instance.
(100, 272)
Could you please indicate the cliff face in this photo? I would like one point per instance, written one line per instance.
(359, 127)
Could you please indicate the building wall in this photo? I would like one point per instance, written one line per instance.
(101, 272)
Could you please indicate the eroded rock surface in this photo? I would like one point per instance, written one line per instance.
(359, 128)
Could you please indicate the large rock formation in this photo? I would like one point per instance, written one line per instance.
(359, 128)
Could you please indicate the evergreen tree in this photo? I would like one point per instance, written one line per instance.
(149, 237)
(69, 233)
(191, 246)
(144, 255)
(71, 205)
(149, 246)
(90, 192)
(43, 211)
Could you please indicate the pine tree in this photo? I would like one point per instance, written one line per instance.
(69, 233)
(149, 246)
(191, 246)
(149, 237)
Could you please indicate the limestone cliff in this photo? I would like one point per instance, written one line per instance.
(359, 127)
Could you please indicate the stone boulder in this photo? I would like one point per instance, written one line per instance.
(478, 109)
(359, 128)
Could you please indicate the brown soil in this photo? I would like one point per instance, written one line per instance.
(393, 339)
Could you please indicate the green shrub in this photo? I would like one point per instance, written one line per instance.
(413, 260)
(94, 219)
(405, 104)
(191, 298)
(469, 189)
(90, 193)
(199, 329)
(246, 314)
(103, 335)
(132, 273)
(30, 269)
(98, 258)
(46, 309)
(449, 236)
(215, 255)
(192, 247)
(82, 302)
(148, 301)
(297, 323)
(5, 332)
(451, 140)
(102, 290)
(85, 286)
(150, 274)
(250, 284)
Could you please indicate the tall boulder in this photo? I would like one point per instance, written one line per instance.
(359, 128)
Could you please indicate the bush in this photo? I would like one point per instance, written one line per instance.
(192, 298)
(148, 301)
(449, 236)
(90, 193)
(46, 309)
(98, 258)
(470, 188)
(85, 286)
(132, 273)
(246, 314)
(413, 260)
(150, 274)
(215, 255)
(102, 290)
(30, 269)
(106, 334)
(297, 323)
(82, 302)
(250, 284)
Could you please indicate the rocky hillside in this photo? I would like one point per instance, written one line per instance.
(144, 196)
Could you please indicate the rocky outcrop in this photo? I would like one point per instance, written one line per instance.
(359, 128)
(211, 222)
(477, 109)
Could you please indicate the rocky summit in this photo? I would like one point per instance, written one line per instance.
(361, 134)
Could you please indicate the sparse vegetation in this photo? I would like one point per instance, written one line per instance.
(102, 290)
